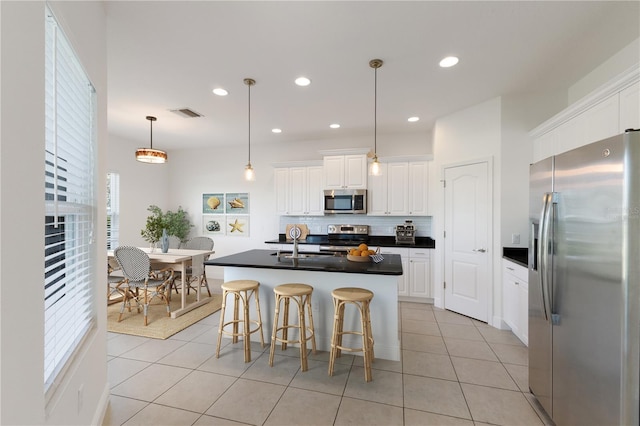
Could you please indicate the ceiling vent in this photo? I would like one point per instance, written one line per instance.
(186, 113)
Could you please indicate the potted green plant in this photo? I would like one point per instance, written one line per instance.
(174, 223)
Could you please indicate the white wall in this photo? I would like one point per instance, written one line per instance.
(141, 185)
(520, 113)
(21, 218)
(618, 63)
(467, 135)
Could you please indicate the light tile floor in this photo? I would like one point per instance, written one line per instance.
(454, 371)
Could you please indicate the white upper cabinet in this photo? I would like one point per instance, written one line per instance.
(418, 188)
(630, 108)
(315, 200)
(400, 190)
(606, 112)
(388, 192)
(281, 177)
(299, 191)
(345, 171)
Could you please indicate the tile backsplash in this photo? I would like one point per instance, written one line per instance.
(378, 225)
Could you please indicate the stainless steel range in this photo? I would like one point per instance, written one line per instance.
(341, 237)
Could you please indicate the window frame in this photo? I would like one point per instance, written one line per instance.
(70, 206)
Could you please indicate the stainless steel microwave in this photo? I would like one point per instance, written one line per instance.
(349, 201)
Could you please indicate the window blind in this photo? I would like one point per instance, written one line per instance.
(113, 210)
(70, 139)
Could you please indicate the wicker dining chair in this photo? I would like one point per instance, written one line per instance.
(136, 266)
(196, 272)
(115, 283)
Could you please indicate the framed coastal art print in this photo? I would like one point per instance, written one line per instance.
(237, 203)
(237, 226)
(213, 224)
(213, 203)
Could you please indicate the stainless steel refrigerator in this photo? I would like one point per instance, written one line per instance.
(584, 283)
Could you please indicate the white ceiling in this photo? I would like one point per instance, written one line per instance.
(164, 55)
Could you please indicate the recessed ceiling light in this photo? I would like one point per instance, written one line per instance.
(449, 61)
(334, 126)
(303, 81)
(276, 130)
(220, 91)
(413, 119)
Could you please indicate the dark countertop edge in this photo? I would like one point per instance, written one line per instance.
(262, 259)
(518, 255)
(373, 240)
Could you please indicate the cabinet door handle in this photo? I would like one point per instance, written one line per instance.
(481, 250)
(511, 269)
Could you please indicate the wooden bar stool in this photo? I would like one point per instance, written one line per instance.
(301, 294)
(241, 290)
(361, 298)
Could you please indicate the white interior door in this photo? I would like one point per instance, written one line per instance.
(467, 227)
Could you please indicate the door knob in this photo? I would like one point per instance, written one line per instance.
(481, 250)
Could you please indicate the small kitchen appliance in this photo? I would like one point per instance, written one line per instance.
(345, 201)
(406, 233)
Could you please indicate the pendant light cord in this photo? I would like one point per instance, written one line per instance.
(375, 111)
(249, 162)
(151, 133)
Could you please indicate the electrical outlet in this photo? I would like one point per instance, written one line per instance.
(515, 238)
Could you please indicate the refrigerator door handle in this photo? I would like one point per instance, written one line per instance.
(543, 252)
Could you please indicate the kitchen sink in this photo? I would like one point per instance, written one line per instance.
(289, 255)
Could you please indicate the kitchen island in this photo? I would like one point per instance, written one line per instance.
(324, 273)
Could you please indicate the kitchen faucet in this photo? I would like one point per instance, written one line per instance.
(295, 241)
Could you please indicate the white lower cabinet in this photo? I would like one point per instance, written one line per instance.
(403, 280)
(515, 300)
(419, 273)
(415, 282)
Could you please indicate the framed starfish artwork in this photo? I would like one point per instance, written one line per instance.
(237, 226)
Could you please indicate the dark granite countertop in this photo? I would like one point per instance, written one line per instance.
(372, 240)
(517, 255)
(391, 265)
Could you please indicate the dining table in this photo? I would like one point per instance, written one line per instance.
(178, 260)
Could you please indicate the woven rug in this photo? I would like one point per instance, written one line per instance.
(160, 325)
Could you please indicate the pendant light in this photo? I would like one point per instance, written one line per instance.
(375, 165)
(150, 155)
(249, 173)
